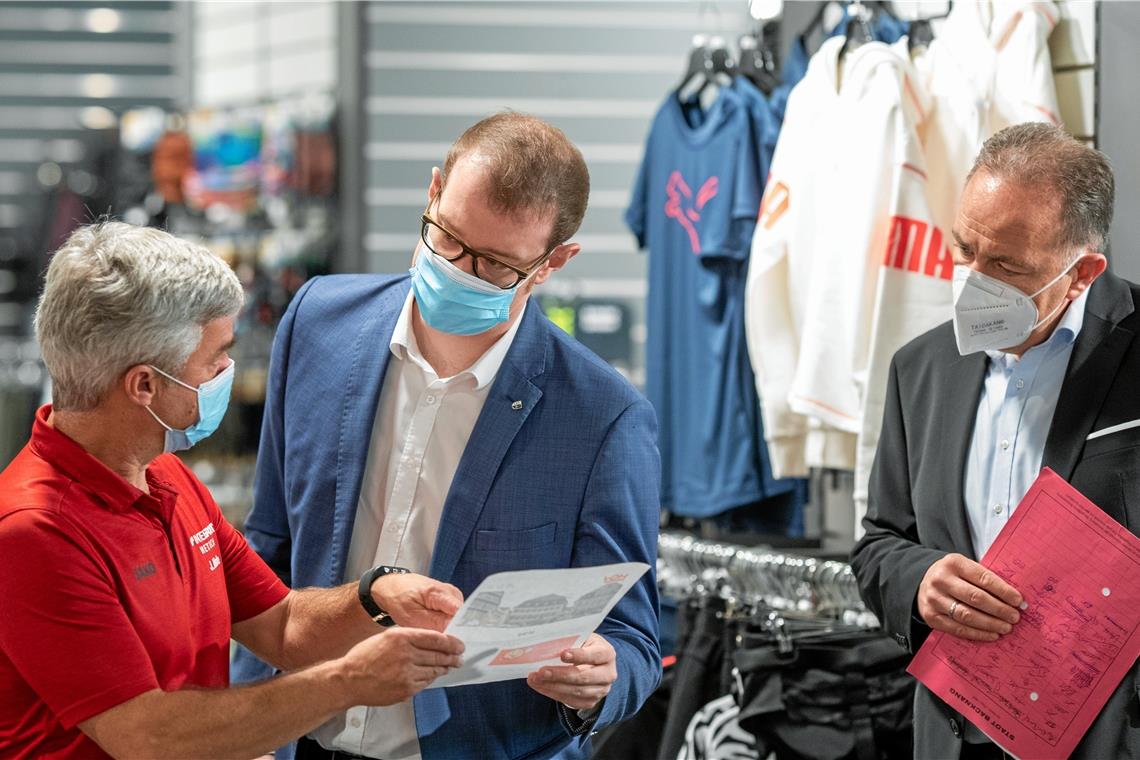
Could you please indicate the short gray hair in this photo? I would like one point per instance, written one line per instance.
(1043, 155)
(116, 296)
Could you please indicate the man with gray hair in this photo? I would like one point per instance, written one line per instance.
(1039, 355)
(121, 581)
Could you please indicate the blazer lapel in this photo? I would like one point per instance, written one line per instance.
(512, 398)
(369, 356)
(1097, 353)
(959, 414)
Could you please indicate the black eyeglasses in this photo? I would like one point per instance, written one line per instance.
(487, 268)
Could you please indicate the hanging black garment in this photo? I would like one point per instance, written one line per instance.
(843, 697)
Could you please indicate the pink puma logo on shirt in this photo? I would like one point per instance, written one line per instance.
(679, 193)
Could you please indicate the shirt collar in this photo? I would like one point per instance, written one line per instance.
(404, 347)
(71, 459)
(1066, 330)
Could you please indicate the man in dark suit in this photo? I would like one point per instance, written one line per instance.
(1039, 357)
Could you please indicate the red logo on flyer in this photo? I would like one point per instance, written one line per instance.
(547, 650)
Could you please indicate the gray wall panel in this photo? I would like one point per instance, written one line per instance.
(418, 128)
(441, 35)
(520, 84)
(58, 61)
(596, 70)
(1118, 114)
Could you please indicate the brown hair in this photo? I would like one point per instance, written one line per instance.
(530, 166)
(1042, 155)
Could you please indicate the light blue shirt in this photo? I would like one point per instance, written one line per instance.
(1014, 414)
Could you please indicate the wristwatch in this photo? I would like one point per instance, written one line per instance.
(364, 592)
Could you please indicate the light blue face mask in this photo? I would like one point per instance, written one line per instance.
(213, 399)
(454, 301)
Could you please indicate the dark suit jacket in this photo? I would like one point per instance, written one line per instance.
(916, 509)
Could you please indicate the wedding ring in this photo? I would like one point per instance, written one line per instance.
(953, 606)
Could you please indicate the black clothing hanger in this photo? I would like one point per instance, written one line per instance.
(721, 58)
(921, 32)
(699, 69)
(858, 31)
(919, 35)
(758, 54)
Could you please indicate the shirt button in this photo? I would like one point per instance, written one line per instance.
(355, 722)
(997, 509)
(1020, 384)
(1004, 445)
(430, 400)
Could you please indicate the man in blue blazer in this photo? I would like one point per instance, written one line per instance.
(441, 424)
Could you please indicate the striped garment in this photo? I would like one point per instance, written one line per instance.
(715, 734)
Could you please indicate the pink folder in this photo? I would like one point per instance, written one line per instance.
(1036, 690)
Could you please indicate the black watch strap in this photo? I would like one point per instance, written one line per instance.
(364, 592)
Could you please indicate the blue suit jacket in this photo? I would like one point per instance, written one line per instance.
(571, 479)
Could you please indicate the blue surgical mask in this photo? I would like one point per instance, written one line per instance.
(213, 399)
(454, 301)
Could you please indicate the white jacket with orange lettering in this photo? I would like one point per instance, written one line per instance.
(829, 302)
(847, 164)
(987, 69)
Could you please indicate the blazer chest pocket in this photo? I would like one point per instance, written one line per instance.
(1112, 442)
(515, 540)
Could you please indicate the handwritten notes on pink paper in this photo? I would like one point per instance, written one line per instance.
(1036, 690)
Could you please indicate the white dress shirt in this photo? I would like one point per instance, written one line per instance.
(1014, 415)
(422, 426)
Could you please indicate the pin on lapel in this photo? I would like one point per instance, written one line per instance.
(517, 405)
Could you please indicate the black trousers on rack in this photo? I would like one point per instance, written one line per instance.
(700, 678)
(840, 698)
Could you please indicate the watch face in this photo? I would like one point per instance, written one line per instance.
(373, 609)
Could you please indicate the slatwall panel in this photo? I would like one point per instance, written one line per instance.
(58, 62)
(1118, 113)
(596, 70)
(245, 52)
(1073, 49)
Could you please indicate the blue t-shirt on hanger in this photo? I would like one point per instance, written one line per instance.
(694, 209)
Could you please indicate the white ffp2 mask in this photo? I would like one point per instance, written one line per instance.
(991, 315)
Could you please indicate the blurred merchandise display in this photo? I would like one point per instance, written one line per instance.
(229, 480)
(22, 380)
(603, 325)
(260, 191)
(255, 184)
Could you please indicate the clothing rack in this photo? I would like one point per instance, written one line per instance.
(749, 577)
(775, 655)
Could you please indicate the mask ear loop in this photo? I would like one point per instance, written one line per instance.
(158, 419)
(172, 379)
(1064, 301)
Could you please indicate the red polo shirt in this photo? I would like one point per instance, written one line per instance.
(107, 592)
